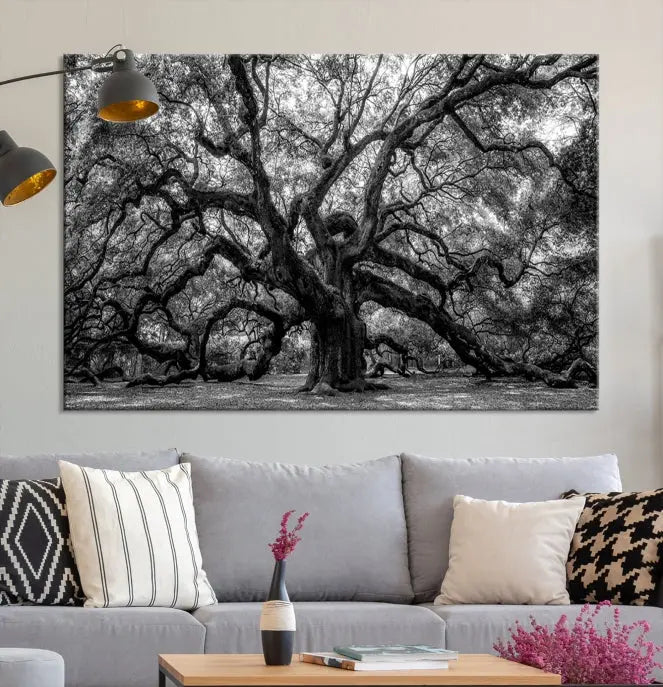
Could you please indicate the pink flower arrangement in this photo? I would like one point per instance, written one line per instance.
(583, 656)
(286, 542)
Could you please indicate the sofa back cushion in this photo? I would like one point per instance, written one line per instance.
(45, 465)
(429, 487)
(354, 544)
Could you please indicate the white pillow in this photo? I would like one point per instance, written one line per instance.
(134, 537)
(509, 553)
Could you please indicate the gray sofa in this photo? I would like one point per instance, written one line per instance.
(373, 555)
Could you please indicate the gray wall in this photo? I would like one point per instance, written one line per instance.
(629, 38)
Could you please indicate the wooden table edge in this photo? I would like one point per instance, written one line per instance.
(167, 671)
(414, 678)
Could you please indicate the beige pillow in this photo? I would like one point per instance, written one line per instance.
(509, 553)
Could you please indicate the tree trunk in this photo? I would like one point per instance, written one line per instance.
(337, 354)
(338, 339)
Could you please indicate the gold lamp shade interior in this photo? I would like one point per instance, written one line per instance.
(29, 187)
(128, 111)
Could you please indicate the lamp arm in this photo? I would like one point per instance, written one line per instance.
(101, 64)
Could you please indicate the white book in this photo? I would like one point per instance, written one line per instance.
(333, 660)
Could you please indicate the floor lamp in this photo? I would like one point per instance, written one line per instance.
(125, 96)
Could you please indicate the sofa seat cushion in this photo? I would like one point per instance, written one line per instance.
(475, 628)
(45, 465)
(104, 647)
(357, 519)
(233, 627)
(430, 484)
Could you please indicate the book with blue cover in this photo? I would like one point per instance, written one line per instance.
(396, 652)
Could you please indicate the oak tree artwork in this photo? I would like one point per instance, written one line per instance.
(342, 222)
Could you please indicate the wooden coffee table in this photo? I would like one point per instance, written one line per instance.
(249, 670)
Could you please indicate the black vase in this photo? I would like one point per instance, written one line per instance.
(277, 645)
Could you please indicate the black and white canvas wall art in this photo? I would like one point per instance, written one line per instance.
(335, 232)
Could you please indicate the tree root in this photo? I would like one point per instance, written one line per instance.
(323, 389)
(151, 380)
(354, 386)
(360, 386)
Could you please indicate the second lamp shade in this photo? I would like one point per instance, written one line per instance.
(23, 171)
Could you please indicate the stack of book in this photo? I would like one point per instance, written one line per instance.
(398, 657)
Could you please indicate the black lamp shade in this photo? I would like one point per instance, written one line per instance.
(23, 171)
(127, 95)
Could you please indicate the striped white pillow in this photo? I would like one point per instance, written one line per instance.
(134, 537)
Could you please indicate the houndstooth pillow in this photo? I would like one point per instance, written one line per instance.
(617, 549)
(36, 559)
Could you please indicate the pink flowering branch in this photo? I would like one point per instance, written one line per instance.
(287, 540)
(582, 655)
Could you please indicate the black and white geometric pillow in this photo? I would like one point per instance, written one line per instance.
(617, 549)
(36, 559)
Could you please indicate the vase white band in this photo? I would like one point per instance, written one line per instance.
(278, 615)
